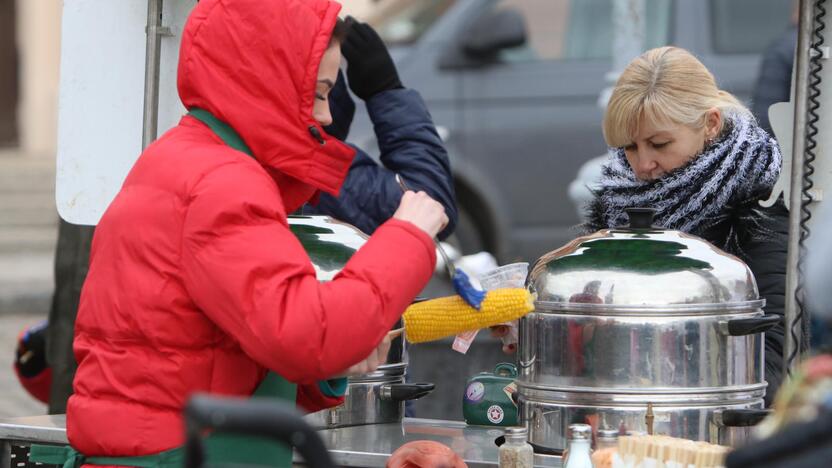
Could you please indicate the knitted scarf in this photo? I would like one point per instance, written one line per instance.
(738, 168)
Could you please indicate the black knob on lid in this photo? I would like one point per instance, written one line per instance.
(641, 218)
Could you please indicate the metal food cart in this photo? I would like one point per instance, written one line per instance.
(367, 446)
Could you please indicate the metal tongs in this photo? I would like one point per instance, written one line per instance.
(449, 266)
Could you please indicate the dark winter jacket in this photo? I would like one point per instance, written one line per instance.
(775, 77)
(759, 237)
(409, 146)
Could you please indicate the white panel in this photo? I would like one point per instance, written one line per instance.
(781, 116)
(101, 98)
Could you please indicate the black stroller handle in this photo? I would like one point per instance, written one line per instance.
(253, 416)
(798, 445)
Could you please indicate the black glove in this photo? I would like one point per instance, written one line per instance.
(370, 70)
(30, 357)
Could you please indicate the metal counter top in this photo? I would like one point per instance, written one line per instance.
(367, 446)
(373, 444)
(47, 429)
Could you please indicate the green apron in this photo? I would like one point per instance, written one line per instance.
(220, 448)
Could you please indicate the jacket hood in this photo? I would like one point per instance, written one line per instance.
(253, 64)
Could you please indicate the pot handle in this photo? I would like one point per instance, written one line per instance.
(742, 417)
(640, 218)
(749, 326)
(404, 392)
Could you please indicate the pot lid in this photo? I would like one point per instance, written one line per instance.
(328, 242)
(639, 267)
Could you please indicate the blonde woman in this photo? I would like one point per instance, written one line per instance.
(694, 153)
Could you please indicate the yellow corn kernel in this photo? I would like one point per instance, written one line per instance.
(447, 316)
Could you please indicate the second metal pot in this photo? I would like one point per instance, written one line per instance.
(376, 398)
(372, 398)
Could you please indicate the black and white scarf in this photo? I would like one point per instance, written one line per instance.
(741, 166)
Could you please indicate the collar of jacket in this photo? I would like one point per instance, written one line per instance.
(294, 193)
(222, 130)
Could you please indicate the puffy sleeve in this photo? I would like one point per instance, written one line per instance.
(247, 272)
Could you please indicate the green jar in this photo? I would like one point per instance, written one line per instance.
(488, 397)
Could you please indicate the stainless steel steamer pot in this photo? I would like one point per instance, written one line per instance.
(639, 317)
(374, 398)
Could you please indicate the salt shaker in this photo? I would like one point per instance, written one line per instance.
(516, 451)
(607, 438)
(580, 453)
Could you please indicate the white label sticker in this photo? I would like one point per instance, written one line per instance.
(475, 392)
(495, 414)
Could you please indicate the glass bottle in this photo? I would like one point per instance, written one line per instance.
(580, 453)
(516, 451)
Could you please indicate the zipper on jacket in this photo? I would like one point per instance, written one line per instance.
(316, 134)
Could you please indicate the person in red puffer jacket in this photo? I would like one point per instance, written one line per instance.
(196, 283)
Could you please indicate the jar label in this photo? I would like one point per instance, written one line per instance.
(495, 414)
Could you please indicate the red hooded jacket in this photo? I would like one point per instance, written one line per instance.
(196, 283)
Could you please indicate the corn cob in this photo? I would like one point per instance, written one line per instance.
(447, 316)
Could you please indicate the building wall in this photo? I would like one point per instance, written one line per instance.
(357, 8)
(8, 74)
(39, 39)
(39, 46)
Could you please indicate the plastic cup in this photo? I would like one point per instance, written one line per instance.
(512, 275)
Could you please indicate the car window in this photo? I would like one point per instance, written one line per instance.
(403, 22)
(748, 26)
(579, 29)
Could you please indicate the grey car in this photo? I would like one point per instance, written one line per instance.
(514, 88)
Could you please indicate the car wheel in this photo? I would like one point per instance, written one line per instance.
(466, 238)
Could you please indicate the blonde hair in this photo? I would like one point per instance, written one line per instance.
(667, 85)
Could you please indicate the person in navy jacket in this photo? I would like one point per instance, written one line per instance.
(407, 138)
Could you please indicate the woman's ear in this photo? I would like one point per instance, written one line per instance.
(713, 123)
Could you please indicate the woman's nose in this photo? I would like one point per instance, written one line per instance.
(323, 116)
(647, 165)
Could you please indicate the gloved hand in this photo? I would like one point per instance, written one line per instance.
(370, 70)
